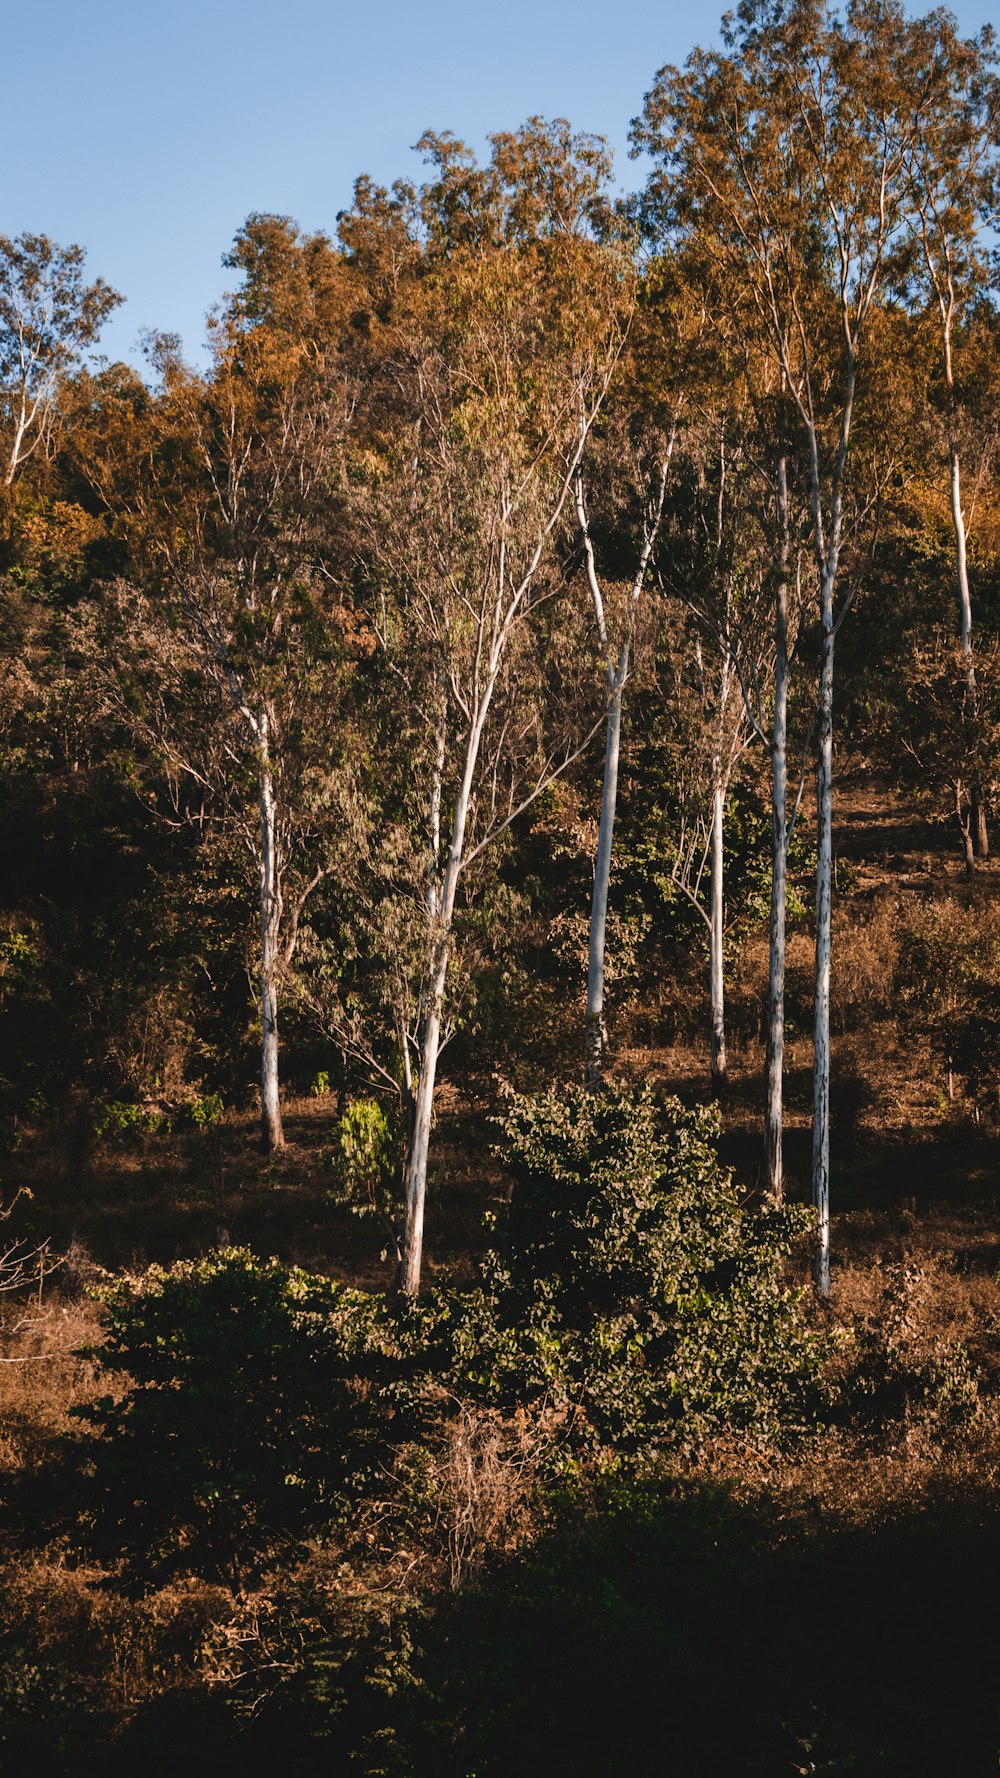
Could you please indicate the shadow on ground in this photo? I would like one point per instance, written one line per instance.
(674, 1631)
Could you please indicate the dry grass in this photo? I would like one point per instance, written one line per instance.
(74, 1618)
(42, 1376)
(487, 1484)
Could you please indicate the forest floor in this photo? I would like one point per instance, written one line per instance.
(829, 1610)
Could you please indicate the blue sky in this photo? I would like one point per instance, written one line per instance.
(148, 129)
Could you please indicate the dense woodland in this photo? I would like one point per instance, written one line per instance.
(500, 957)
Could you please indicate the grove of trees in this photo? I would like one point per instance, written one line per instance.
(311, 657)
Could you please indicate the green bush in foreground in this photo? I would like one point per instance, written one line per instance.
(630, 1303)
(629, 1285)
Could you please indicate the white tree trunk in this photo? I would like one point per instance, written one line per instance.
(272, 1135)
(980, 841)
(827, 551)
(595, 1032)
(774, 1085)
(961, 556)
(717, 986)
(774, 1120)
(595, 1037)
(416, 1173)
(439, 956)
(824, 917)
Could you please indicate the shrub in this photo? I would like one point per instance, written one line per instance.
(205, 1112)
(122, 1117)
(629, 1286)
(365, 1167)
(250, 1411)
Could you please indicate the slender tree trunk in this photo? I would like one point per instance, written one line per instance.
(961, 557)
(980, 829)
(824, 913)
(979, 836)
(14, 459)
(271, 1133)
(774, 1115)
(595, 1033)
(416, 1179)
(717, 987)
(964, 819)
(441, 907)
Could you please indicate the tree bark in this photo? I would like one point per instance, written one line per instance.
(828, 553)
(980, 829)
(961, 558)
(824, 913)
(441, 907)
(717, 988)
(774, 1070)
(964, 819)
(595, 1036)
(595, 1031)
(416, 1176)
(980, 840)
(271, 1133)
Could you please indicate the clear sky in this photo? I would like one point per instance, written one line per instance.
(148, 129)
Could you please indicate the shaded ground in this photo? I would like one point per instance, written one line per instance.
(674, 1629)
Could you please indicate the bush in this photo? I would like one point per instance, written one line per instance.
(122, 1117)
(630, 1302)
(205, 1112)
(366, 1170)
(251, 1411)
(364, 1160)
(629, 1286)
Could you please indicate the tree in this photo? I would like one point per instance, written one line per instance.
(48, 317)
(787, 152)
(715, 573)
(952, 167)
(639, 444)
(499, 350)
(223, 486)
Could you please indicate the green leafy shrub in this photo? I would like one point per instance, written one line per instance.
(205, 1112)
(629, 1302)
(629, 1286)
(251, 1408)
(122, 1117)
(365, 1166)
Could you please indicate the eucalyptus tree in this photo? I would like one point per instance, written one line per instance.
(222, 486)
(498, 347)
(49, 315)
(630, 467)
(953, 164)
(786, 152)
(714, 566)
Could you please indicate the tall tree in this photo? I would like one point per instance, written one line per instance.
(500, 347)
(953, 166)
(787, 151)
(49, 315)
(632, 469)
(715, 570)
(223, 486)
